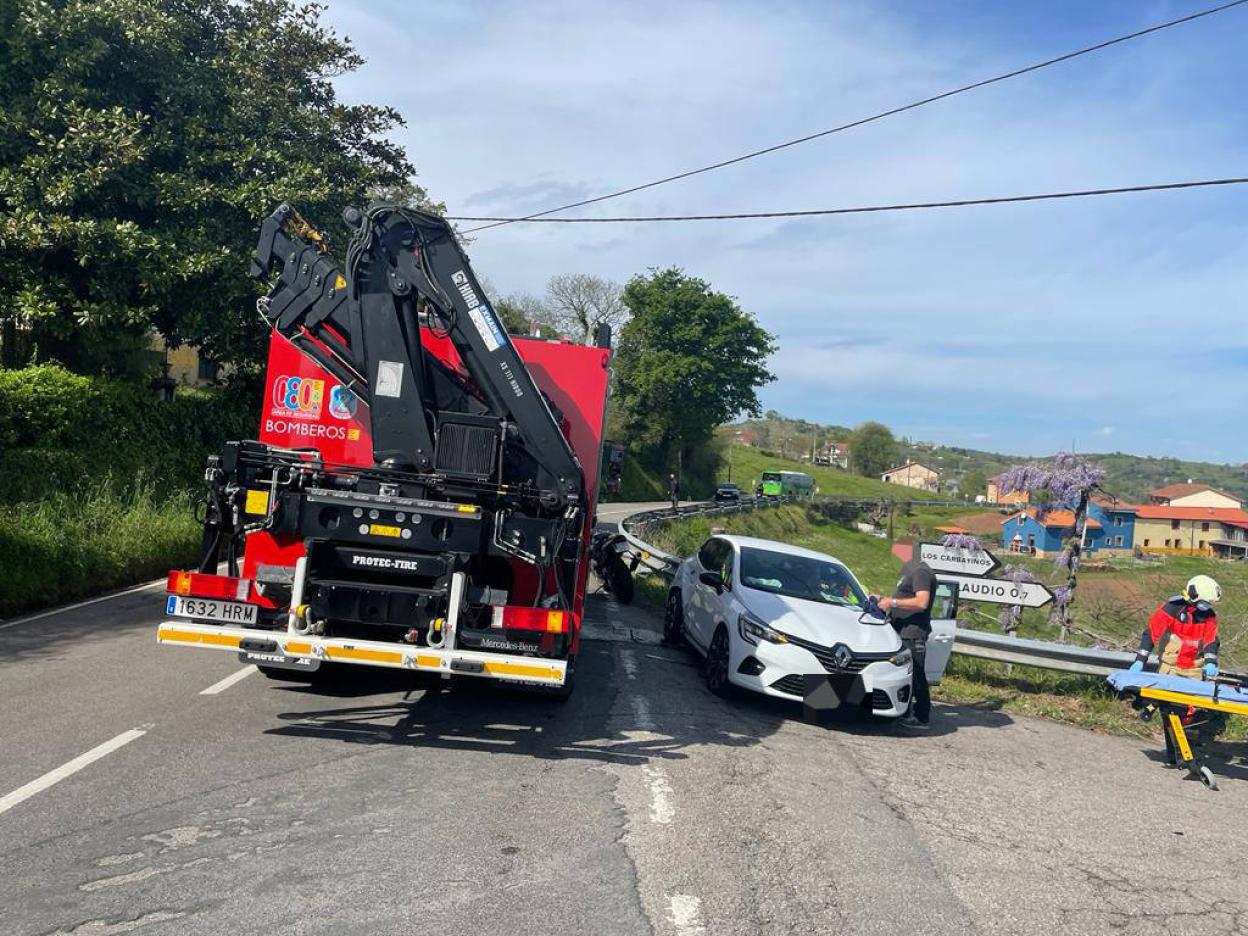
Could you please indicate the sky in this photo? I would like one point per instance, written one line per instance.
(1113, 324)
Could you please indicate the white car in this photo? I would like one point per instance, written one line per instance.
(765, 615)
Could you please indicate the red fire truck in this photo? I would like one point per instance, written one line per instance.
(421, 492)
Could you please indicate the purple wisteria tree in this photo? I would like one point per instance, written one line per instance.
(1066, 483)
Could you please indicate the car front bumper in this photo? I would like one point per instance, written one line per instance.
(886, 688)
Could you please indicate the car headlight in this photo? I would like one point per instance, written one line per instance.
(902, 657)
(752, 630)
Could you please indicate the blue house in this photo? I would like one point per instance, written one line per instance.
(1111, 529)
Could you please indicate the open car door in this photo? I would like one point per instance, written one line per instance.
(944, 626)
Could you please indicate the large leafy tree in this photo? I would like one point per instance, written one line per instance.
(872, 449)
(141, 142)
(688, 359)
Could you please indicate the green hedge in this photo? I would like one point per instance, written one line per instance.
(68, 546)
(63, 432)
(99, 481)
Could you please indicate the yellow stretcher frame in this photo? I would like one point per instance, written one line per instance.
(512, 669)
(1196, 701)
(1177, 741)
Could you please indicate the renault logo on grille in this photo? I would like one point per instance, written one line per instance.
(842, 655)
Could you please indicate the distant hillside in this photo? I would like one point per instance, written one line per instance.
(748, 464)
(1129, 477)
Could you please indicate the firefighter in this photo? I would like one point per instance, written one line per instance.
(1185, 632)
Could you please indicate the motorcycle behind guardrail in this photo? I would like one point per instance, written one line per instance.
(607, 556)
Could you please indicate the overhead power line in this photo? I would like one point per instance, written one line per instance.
(865, 209)
(874, 117)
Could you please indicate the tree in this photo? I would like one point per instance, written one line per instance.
(872, 449)
(577, 303)
(689, 359)
(1068, 482)
(142, 142)
(973, 482)
(525, 314)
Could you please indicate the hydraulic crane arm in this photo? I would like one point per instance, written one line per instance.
(362, 323)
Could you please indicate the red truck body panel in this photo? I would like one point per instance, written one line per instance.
(304, 407)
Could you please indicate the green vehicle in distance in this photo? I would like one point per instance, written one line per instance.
(785, 484)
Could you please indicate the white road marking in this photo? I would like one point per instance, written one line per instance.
(53, 777)
(687, 914)
(219, 687)
(82, 604)
(662, 811)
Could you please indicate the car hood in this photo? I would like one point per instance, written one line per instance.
(823, 624)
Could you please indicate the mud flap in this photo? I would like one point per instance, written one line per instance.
(827, 692)
(267, 653)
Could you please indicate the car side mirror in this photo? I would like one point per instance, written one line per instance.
(713, 580)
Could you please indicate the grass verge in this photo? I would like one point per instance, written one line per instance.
(68, 546)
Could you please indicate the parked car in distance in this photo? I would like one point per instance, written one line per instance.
(764, 615)
(728, 492)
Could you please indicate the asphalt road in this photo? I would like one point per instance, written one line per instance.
(643, 805)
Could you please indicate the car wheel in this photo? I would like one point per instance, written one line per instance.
(673, 619)
(716, 671)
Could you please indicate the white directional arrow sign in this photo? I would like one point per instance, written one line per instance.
(964, 561)
(999, 591)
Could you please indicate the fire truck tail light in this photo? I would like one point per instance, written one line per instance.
(203, 585)
(533, 619)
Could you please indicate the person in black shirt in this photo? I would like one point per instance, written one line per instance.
(911, 611)
(673, 490)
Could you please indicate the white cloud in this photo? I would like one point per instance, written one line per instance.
(1025, 324)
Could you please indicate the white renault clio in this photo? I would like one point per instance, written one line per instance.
(765, 615)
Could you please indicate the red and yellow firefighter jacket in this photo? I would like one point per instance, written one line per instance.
(1185, 634)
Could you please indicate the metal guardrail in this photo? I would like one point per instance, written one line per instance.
(634, 526)
(1066, 658)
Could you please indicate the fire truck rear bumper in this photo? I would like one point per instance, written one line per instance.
(511, 669)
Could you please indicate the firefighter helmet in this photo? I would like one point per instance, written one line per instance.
(1202, 588)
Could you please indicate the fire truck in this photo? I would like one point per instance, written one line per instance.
(421, 493)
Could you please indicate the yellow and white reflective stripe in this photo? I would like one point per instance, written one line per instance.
(364, 655)
(168, 634)
(369, 653)
(523, 670)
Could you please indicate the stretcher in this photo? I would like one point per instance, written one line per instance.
(1186, 707)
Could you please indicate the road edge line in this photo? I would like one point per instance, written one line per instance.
(68, 769)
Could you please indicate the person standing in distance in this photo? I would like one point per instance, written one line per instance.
(910, 609)
(673, 490)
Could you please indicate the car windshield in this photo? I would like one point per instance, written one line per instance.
(728, 487)
(799, 577)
